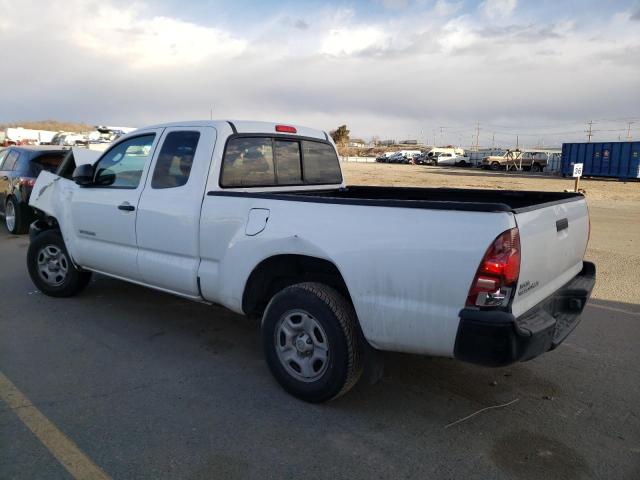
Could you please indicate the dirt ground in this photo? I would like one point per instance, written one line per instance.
(614, 207)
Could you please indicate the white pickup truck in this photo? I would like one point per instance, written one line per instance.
(452, 159)
(256, 217)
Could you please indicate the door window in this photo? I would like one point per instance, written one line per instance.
(175, 159)
(3, 154)
(122, 166)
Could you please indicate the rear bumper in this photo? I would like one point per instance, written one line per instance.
(497, 338)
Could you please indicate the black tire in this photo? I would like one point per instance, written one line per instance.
(462, 164)
(344, 341)
(20, 220)
(72, 282)
(536, 167)
(495, 166)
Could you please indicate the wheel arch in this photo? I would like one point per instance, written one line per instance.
(43, 224)
(280, 271)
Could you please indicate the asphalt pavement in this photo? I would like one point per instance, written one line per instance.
(147, 385)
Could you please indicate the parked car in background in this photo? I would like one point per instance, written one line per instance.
(451, 159)
(397, 157)
(384, 158)
(420, 159)
(516, 160)
(19, 168)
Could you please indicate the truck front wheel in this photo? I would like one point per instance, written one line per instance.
(311, 342)
(51, 269)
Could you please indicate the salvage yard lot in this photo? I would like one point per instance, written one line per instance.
(148, 385)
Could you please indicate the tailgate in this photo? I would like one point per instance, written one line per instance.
(553, 240)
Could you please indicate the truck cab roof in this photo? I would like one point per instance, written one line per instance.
(248, 126)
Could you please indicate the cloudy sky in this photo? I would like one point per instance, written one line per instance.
(391, 68)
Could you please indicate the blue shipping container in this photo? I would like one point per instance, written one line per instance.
(603, 159)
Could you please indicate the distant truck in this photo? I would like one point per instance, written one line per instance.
(68, 139)
(26, 136)
(256, 217)
(454, 150)
(516, 160)
(451, 159)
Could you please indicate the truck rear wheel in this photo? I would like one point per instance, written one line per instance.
(51, 269)
(311, 342)
(495, 166)
(536, 167)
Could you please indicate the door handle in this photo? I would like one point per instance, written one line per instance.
(126, 207)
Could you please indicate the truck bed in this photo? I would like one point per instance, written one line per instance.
(430, 198)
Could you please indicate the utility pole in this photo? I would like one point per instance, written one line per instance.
(590, 131)
(493, 141)
(211, 113)
(629, 131)
(477, 136)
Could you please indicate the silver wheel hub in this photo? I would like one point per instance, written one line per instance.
(10, 216)
(53, 265)
(302, 345)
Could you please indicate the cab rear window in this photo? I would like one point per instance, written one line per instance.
(260, 161)
(48, 162)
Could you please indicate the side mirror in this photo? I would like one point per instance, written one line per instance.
(83, 175)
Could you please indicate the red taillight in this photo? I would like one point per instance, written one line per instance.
(286, 129)
(26, 182)
(498, 272)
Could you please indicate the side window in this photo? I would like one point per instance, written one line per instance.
(3, 154)
(122, 166)
(175, 159)
(288, 169)
(10, 161)
(248, 162)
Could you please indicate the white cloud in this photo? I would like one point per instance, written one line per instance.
(349, 40)
(152, 41)
(456, 34)
(446, 8)
(498, 8)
